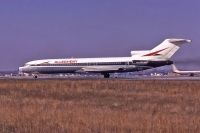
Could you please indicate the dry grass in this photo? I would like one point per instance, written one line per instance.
(95, 106)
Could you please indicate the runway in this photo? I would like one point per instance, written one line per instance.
(99, 77)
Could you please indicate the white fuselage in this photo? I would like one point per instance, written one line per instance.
(96, 65)
(175, 70)
(187, 72)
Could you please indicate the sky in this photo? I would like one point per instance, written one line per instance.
(43, 29)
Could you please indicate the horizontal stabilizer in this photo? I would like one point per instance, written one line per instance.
(179, 41)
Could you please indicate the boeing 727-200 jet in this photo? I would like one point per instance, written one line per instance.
(138, 61)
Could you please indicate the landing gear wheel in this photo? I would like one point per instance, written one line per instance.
(106, 75)
(191, 74)
(35, 76)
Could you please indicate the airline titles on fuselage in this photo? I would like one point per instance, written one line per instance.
(66, 62)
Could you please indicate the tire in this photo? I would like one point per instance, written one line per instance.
(106, 75)
(35, 76)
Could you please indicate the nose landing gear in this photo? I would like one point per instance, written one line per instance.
(106, 75)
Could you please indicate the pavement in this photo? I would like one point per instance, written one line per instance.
(101, 77)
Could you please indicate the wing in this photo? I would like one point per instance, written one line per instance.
(103, 69)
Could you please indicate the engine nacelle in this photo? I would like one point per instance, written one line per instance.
(133, 53)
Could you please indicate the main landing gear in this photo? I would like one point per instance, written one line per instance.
(106, 75)
(191, 74)
(35, 76)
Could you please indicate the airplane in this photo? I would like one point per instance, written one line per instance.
(191, 73)
(138, 61)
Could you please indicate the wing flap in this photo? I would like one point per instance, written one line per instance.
(101, 68)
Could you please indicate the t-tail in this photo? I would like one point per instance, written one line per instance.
(163, 51)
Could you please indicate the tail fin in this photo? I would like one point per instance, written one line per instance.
(166, 49)
(174, 69)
